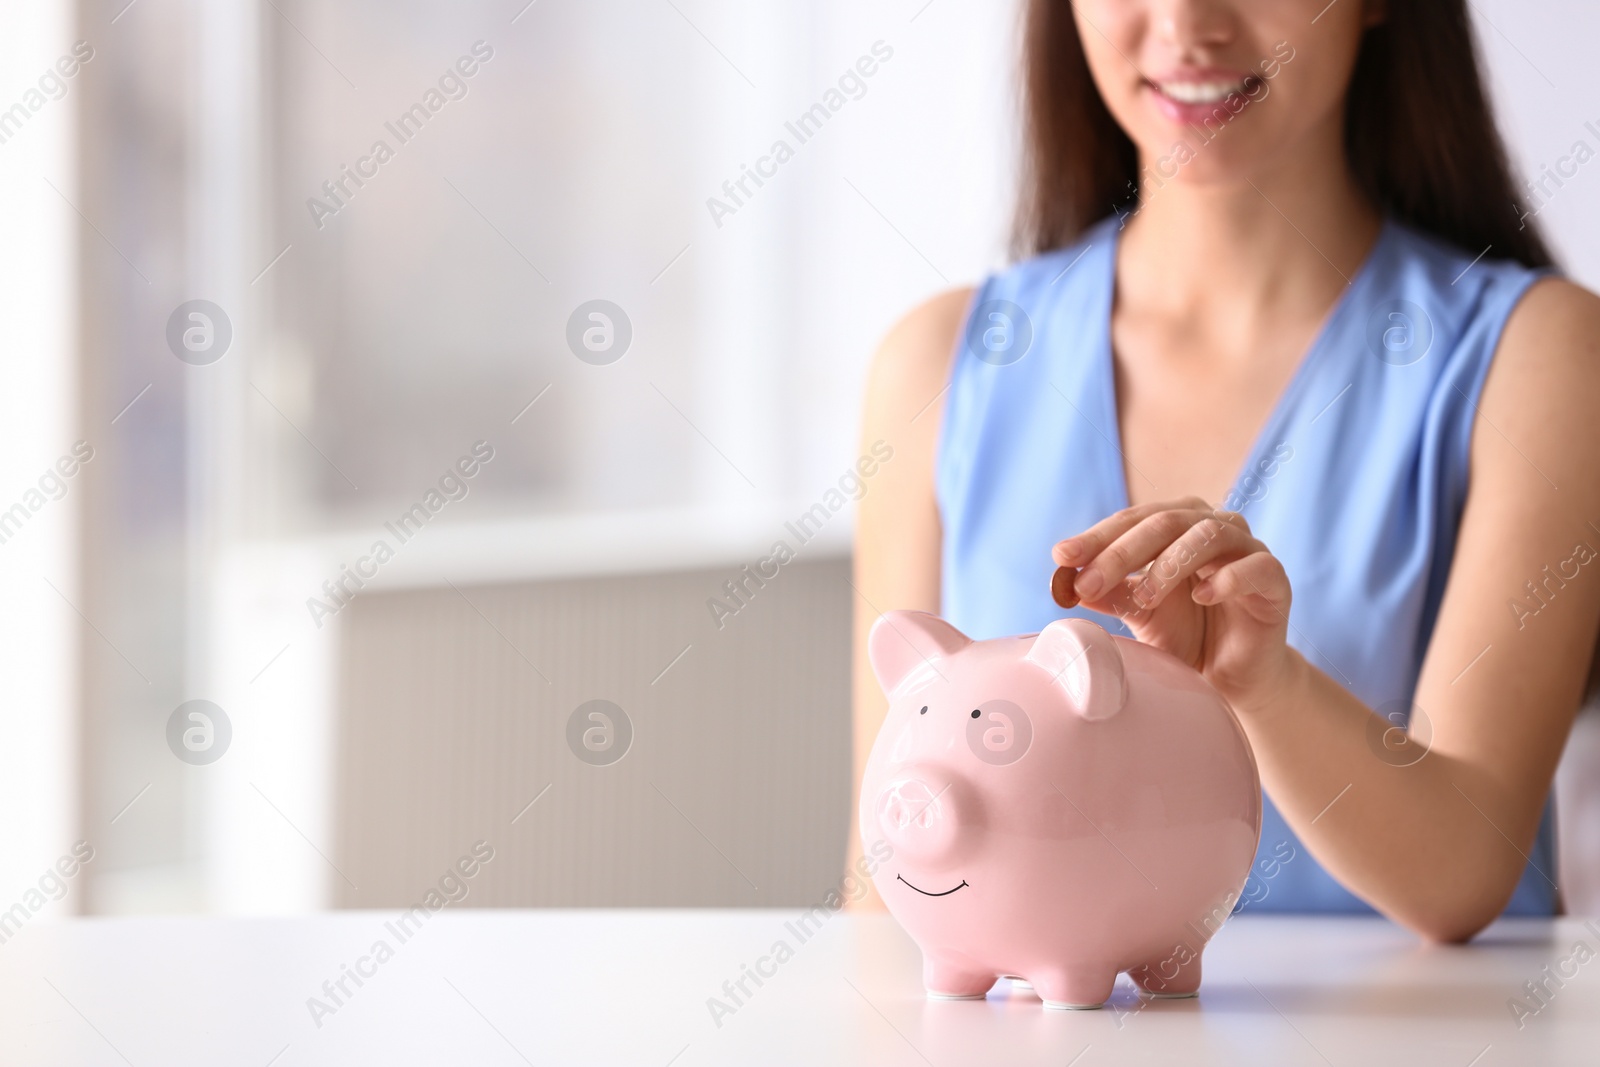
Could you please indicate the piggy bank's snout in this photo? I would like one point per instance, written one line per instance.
(922, 817)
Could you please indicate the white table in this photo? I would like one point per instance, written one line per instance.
(631, 987)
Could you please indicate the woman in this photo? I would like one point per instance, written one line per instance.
(1287, 382)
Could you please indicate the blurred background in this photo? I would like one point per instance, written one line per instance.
(575, 347)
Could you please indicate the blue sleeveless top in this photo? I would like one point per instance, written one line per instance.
(1356, 482)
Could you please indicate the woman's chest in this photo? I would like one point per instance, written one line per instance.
(1190, 414)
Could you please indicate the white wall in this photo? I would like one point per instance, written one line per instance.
(1546, 88)
(38, 424)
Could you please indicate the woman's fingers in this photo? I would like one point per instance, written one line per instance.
(1139, 546)
(1257, 582)
(1207, 541)
(1079, 549)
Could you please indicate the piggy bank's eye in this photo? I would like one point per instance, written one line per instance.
(924, 710)
(976, 713)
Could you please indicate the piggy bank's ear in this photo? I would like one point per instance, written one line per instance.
(905, 646)
(1084, 661)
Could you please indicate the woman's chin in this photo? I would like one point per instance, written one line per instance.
(1208, 170)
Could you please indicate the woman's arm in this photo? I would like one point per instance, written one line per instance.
(1437, 844)
(897, 521)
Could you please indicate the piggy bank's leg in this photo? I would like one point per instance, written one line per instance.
(948, 980)
(1078, 986)
(1170, 977)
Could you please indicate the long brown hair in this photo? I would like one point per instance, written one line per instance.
(1419, 135)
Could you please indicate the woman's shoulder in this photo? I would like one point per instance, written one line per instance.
(920, 347)
(921, 344)
(1483, 308)
(913, 360)
(1535, 429)
(1538, 314)
(1558, 312)
(1549, 350)
(1054, 273)
(1435, 266)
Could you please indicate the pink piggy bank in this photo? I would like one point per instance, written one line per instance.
(1060, 807)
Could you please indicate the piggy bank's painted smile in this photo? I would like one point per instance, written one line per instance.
(925, 893)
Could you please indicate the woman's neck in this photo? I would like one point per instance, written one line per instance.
(1280, 234)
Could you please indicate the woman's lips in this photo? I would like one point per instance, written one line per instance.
(1192, 98)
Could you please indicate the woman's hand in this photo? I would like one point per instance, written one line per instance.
(1209, 592)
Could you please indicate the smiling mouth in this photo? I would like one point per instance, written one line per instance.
(1203, 92)
(1196, 95)
(925, 893)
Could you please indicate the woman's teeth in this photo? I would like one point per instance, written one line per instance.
(1200, 92)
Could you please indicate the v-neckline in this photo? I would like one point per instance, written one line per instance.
(1280, 406)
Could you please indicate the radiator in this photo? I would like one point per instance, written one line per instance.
(453, 728)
